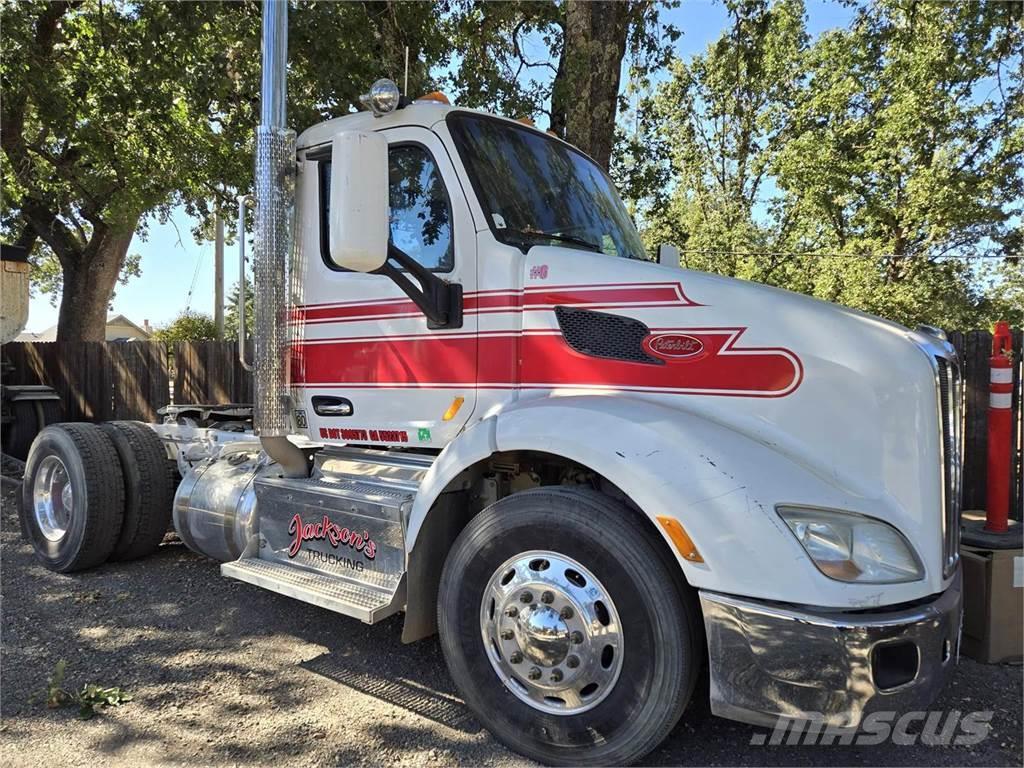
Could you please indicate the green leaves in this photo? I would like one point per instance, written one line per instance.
(114, 111)
(231, 311)
(899, 141)
(56, 696)
(187, 326)
(93, 697)
(856, 167)
(89, 699)
(563, 59)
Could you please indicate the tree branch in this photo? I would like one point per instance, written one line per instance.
(51, 230)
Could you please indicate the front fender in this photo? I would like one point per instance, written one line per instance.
(721, 484)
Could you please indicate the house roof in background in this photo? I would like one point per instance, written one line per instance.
(50, 334)
(122, 320)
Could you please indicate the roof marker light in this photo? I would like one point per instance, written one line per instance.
(435, 96)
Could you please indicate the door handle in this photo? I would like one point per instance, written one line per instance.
(332, 406)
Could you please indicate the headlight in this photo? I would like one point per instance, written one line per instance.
(851, 547)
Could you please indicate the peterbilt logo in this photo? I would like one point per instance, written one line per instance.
(674, 346)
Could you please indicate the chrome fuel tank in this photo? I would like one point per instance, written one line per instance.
(215, 505)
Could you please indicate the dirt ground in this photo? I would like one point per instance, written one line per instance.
(223, 673)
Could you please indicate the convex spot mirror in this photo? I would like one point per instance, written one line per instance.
(358, 222)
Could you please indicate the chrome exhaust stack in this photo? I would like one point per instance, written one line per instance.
(275, 212)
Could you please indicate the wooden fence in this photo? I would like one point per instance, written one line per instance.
(209, 372)
(98, 381)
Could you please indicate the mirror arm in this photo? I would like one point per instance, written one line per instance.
(438, 299)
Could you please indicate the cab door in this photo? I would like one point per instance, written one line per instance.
(369, 369)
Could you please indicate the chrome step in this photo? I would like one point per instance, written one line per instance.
(360, 601)
(336, 539)
(392, 467)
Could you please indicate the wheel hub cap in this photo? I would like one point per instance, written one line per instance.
(551, 632)
(53, 498)
(542, 635)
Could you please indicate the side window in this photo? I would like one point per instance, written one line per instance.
(421, 212)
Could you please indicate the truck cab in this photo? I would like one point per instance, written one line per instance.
(594, 475)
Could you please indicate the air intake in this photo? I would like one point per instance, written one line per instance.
(599, 334)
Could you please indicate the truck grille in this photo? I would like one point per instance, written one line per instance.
(950, 393)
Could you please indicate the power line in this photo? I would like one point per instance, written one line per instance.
(195, 279)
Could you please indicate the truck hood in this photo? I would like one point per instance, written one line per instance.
(848, 396)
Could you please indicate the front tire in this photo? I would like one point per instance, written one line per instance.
(567, 627)
(72, 497)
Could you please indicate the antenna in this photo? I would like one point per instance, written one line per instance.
(405, 89)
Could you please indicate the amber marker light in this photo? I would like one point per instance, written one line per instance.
(453, 409)
(681, 539)
(437, 96)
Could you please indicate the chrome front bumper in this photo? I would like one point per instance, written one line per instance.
(769, 661)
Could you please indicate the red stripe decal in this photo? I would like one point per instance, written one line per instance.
(611, 296)
(542, 297)
(545, 361)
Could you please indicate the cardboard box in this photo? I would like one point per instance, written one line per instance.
(993, 629)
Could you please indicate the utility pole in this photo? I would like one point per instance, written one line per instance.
(218, 276)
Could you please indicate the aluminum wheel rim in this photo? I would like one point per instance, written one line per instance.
(551, 632)
(53, 499)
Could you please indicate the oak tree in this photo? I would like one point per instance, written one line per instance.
(861, 167)
(114, 112)
(561, 59)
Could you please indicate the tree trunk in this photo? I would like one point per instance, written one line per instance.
(89, 279)
(586, 87)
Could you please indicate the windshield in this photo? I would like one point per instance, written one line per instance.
(539, 191)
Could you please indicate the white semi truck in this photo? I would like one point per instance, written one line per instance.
(596, 477)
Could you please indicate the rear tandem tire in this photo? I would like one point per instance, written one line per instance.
(149, 485)
(655, 612)
(78, 473)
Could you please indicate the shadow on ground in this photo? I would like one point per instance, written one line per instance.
(226, 673)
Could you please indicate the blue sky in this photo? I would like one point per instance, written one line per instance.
(177, 272)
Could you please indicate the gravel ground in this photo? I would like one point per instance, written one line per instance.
(223, 673)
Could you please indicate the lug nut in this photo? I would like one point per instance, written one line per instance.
(572, 662)
(507, 634)
(511, 611)
(534, 673)
(526, 597)
(556, 676)
(547, 597)
(566, 613)
(576, 637)
(516, 658)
